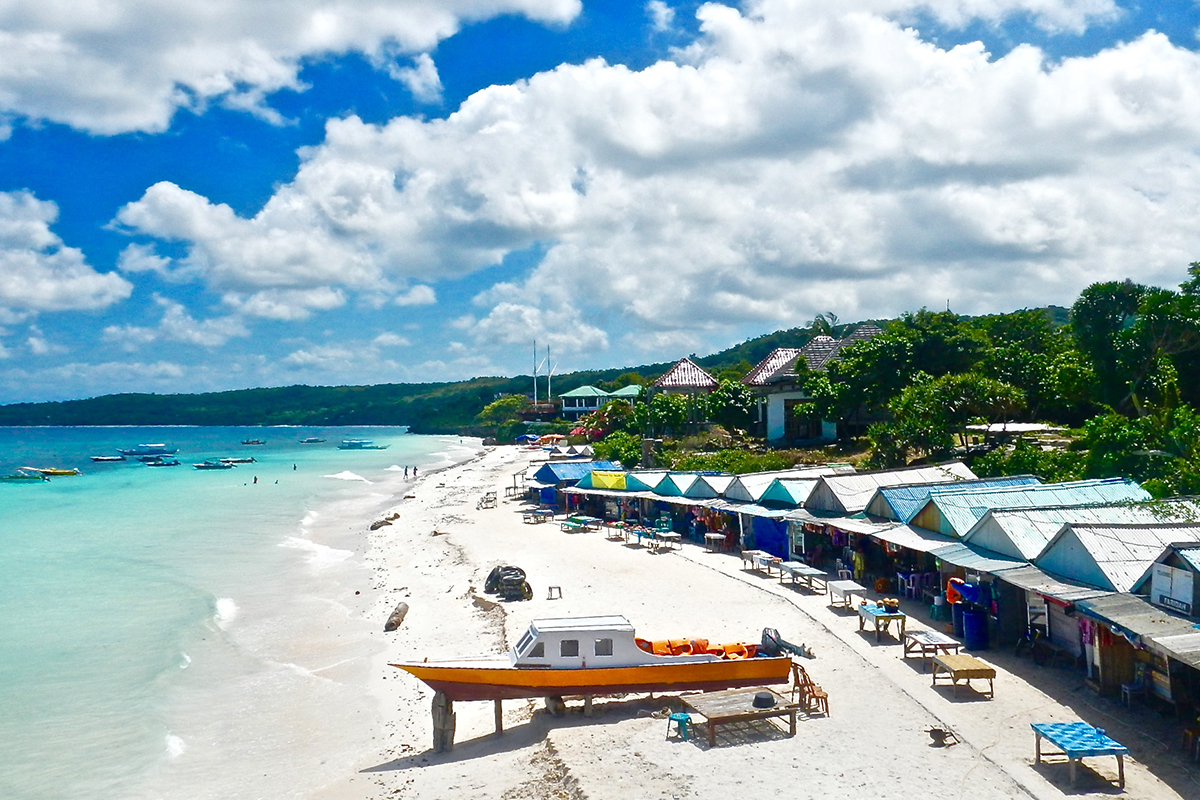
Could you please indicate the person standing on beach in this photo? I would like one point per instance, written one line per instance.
(414, 472)
(406, 471)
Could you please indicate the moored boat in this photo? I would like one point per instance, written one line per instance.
(599, 656)
(21, 476)
(253, 441)
(311, 440)
(106, 459)
(148, 450)
(161, 461)
(361, 444)
(213, 463)
(239, 460)
(54, 471)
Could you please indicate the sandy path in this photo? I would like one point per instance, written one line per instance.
(873, 744)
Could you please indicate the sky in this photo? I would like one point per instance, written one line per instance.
(220, 195)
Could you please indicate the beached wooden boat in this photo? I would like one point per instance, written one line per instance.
(593, 656)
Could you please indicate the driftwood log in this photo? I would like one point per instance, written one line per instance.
(396, 618)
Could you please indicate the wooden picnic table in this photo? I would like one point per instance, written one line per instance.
(964, 668)
(881, 617)
(928, 644)
(841, 593)
(1078, 740)
(802, 572)
(737, 705)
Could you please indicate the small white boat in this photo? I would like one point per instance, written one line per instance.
(239, 460)
(106, 459)
(311, 440)
(213, 463)
(361, 444)
(159, 449)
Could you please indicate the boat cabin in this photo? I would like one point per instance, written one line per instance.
(579, 642)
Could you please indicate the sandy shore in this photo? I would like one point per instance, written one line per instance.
(873, 745)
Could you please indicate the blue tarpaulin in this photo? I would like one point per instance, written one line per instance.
(771, 536)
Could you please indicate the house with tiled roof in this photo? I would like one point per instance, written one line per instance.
(686, 377)
(778, 386)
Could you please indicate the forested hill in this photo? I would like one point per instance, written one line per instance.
(425, 407)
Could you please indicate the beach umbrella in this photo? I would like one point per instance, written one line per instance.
(552, 437)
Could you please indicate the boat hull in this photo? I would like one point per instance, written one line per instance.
(465, 682)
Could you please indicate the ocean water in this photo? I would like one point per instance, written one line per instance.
(178, 633)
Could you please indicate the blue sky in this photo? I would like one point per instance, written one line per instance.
(262, 194)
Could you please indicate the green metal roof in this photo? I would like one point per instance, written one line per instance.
(585, 391)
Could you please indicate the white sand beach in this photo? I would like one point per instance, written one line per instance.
(437, 554)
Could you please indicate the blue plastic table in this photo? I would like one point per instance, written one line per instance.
(1078, 740)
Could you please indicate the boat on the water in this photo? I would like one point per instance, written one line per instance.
(253, 441)
(52, 471)
(105, 459)
(311, 440)
(239, 460)
(161, 461)
(213, 463)
(599, 656)
(361, 444)
(148, 450)
(21, 476)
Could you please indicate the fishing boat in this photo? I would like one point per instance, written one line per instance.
(599, 656)
(21, 476)
(311, 440)
(106, 459)
(253, 441)
(361, 444)
(161, 461)
(52, 471)
(148, 450)
(239, 460)
(212, 463)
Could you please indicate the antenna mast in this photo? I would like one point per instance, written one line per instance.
(535, 372)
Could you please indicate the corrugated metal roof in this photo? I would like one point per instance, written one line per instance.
(709, 486)
(585, 391)
(749, 487)
(686, 374)
(632, 390)
(789, 491)
(850, 494)
(1025, 532)
(1137, 617)
(560, 471)
(1191, 555)
(975, 559)
(780, 362)
(918, 539)
(675, 484)
(1183, 647)
(901, 503)
(1033, 579)
(955, 514)
(1111, 557)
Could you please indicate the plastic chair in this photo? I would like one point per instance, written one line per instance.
(912, 586)
(682, 723)
(1137, 688)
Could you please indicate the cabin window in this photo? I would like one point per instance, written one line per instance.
(525, 640)
(538, 651)
(569, 648)
(604, 647)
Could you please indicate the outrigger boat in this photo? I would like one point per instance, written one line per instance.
(593, 656)
(212, 464)
(253, 441)
(149, 450)
(21, 476)
(311, 440)
(239, 460)
(361, 444)
(54, 471)
(105, 459)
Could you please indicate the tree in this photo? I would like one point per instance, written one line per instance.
(731, 405)
(1098, 318)
(501, 411)
(620, 446)
(931, 412)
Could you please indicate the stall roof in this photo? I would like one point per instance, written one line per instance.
(849, 494)
(710, 486)
(675, 484)
(955, 514)
(1183, 647)
(1033, 579)
(901, 503)
(917, 539)
(975, 559)
(789, 491)
(748, 488)
(615, 480)
(1111, 557)
(1025, 532)
(560, 471)
(1135, 615)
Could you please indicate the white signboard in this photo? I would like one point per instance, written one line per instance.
(1171, 588)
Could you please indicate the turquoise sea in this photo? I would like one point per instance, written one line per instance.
(176, 633)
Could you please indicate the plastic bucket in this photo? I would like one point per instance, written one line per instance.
(956, 610)
(975, 629)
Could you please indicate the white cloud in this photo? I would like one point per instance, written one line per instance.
(142, 258)
(389, 339)
(129, 337)
(39, 345)
(38, 272)
(661, 15)
(800, 157)
(128, 65)
(421, 78)
(419, 295)
(286, 304)
(177, 325)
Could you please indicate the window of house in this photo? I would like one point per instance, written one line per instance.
(569, 648)
(604, 647)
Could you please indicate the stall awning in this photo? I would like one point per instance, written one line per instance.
(1032, 579)
(1183, 647)
(918, 539)
(975, 559)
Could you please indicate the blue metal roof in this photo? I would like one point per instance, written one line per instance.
(571, 471)
(905, 501)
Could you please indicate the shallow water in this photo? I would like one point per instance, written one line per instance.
(171, 632)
